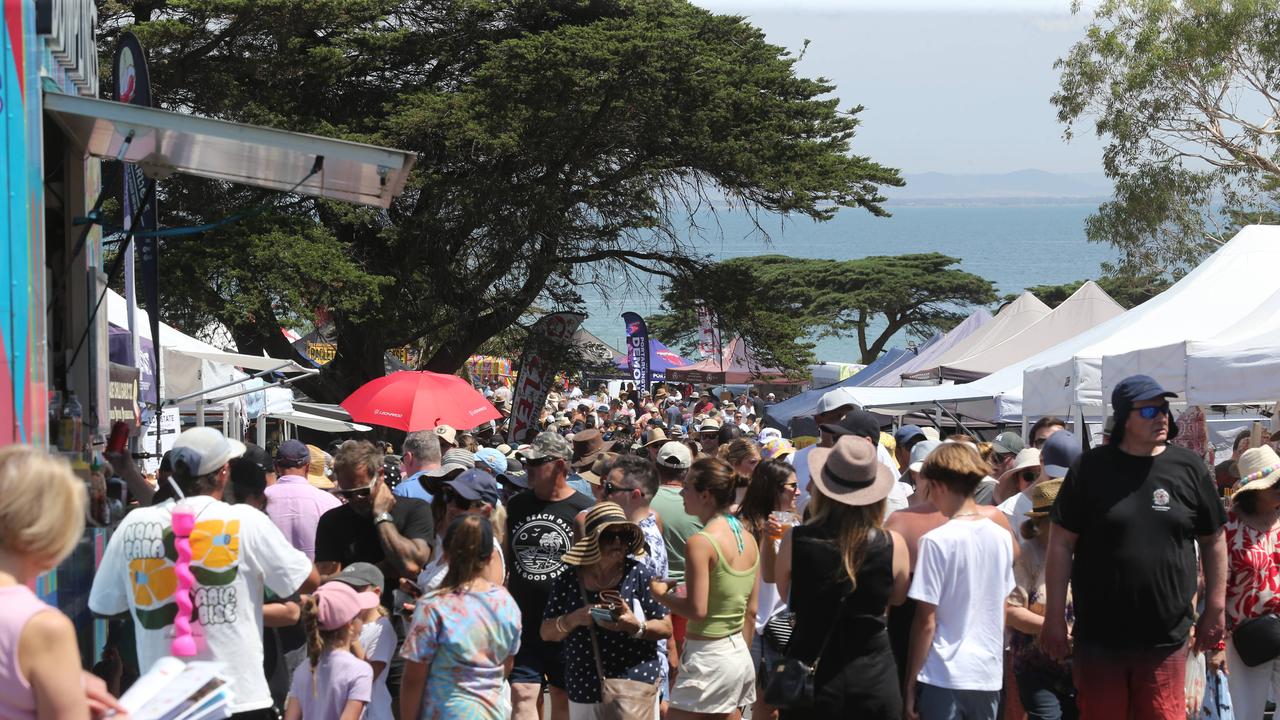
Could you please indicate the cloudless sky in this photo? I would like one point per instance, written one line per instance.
(949, 86)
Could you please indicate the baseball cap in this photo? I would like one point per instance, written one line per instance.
(447, 434)
(360, 575)
(259, 457)
(856, 422)
(1130, 390)
(834, 400)
(1008, 443)
(920, 451)
(202, 450)
(515, 474)
(675, 455)
(475, 485)
(339, 603)
(906, 432)
(1059, 451)
(492, 459)
(548, 445)
(293, 453)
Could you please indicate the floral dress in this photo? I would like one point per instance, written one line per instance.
(1029, 592)
(1253, 575)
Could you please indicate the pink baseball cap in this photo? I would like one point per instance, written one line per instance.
(339, 604)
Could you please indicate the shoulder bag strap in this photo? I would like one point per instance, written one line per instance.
(591, 628)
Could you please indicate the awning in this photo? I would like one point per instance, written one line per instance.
(251, 362)
(322, 424)
(164, 142)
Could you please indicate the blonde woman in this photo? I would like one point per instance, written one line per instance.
(41, 519)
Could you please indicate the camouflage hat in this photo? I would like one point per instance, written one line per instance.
(549, 444)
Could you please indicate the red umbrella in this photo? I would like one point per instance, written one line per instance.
(412, 400)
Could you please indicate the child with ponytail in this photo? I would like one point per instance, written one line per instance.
(334, 684)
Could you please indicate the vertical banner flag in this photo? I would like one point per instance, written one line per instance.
(638, 350)
(708, 344)
(549, 339)
(133, 86)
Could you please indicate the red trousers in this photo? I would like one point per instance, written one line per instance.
(1145, 684)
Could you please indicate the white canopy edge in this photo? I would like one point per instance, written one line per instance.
(242, 361)
(164, 142)
(316, 422)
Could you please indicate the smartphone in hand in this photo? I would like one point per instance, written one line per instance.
(603, 615)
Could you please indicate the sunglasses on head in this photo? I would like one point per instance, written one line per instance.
(1151, 413)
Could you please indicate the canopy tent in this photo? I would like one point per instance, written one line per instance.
(661, 359)
(595, 351)
(970, 325)
(193, 368)
(1236, 279)
(736, 366)
(866, 379)
(1087, 307)
(1236, 365)
(1012, 319)
(780, 415)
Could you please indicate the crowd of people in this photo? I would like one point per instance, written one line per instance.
(668, 557)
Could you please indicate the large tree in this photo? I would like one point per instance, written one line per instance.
(561, 142)
(1187, 96)
(780, 304)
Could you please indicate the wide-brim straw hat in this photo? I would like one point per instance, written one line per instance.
(1259, 469)
(1042, 497)
(849, 473)
(599, 518)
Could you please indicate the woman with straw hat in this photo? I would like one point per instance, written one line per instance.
(840, 571)
(1253, 591)
(1044, 684)
(603, 612)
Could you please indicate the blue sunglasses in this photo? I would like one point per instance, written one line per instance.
(1151, 413)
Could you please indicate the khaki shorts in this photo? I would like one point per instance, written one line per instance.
(716, 676)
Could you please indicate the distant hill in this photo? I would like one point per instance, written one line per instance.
(1019, 187)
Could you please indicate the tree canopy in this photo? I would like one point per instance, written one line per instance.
(780, 304)
(560, 143)
(1187, 96)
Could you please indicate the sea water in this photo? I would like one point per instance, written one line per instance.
(1015, 247)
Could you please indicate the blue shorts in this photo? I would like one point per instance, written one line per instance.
(538, 662)
(763, 656)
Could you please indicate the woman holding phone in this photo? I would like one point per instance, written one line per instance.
(603, 612)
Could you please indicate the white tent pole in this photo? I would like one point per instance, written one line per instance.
(200, 414)
(262, 423)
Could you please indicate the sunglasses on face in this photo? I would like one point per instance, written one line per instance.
(538, 462)
(1029, 476)
(790, 486)
(360, 493)
(1153, 412)
(451, 497)
(609, 537)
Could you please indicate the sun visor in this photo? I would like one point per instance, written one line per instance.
(164, 142)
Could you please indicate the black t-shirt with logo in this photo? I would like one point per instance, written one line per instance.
(1137, 518)
(539, 532)
(345, 536)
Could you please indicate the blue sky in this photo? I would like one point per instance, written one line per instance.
(949, 86)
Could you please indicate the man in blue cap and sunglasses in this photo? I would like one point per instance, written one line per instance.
(1124, 531)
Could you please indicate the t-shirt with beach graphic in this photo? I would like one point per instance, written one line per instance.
(464, 637)
(236, 553)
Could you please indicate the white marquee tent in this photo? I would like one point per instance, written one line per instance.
(1012, 319)
(1234, 281)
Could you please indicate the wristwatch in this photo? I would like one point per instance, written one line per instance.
(382, 517)
(639, 634)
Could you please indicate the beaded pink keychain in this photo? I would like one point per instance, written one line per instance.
(184, 640)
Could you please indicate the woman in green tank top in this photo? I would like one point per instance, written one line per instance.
(716, 677)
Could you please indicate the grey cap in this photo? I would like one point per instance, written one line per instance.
(361, 574)
(548, 444)
(675, 455)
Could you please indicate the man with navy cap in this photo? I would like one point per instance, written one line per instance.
(294, 504)
(1124, 531)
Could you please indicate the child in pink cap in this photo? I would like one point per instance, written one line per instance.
(335, 684)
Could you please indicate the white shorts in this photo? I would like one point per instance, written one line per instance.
(715, 676)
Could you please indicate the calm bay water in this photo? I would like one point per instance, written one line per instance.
(1015, 247)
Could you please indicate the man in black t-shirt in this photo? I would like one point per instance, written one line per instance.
(374, 526)
(540, 530)
(1125, 525)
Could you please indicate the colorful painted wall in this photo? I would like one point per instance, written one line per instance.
(23, 350)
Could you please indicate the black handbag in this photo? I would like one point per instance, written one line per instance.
(1257, 640)
(790, 681)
